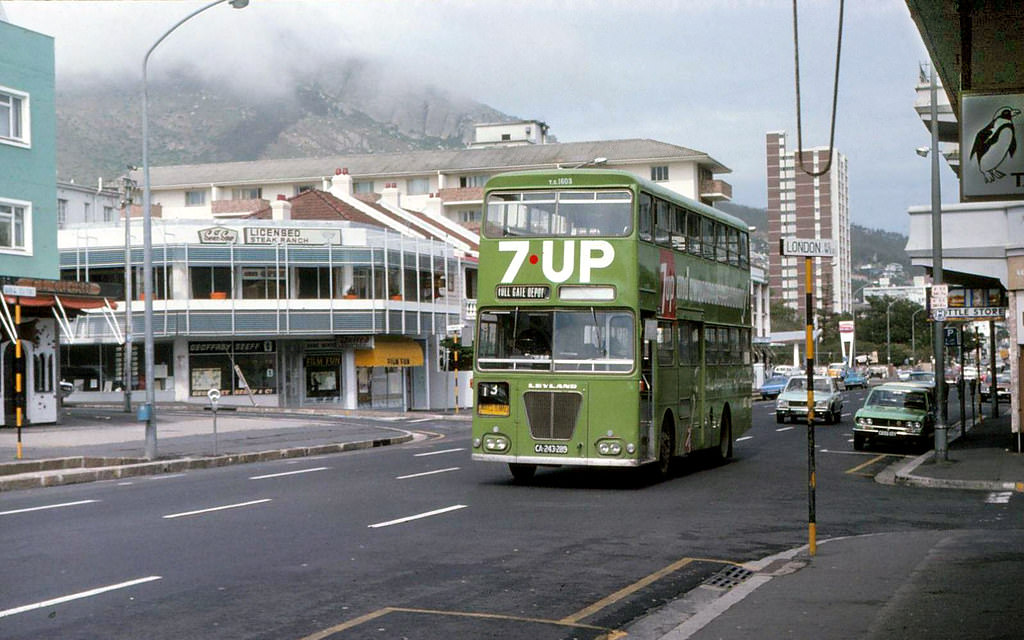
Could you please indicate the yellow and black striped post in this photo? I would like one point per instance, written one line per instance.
(19, 375)
(811, 480)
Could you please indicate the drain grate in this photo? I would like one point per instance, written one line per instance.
(729, 577)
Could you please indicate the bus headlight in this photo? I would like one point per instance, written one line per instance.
(609, 447)
(496, 443)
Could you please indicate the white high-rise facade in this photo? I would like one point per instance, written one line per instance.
(803, 206)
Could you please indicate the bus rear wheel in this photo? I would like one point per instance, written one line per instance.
(725, 444)
(522, 472)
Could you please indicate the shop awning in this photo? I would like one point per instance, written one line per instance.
(69, 302)
(390, 352)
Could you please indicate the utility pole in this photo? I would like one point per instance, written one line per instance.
(938, 337)
(127, 197)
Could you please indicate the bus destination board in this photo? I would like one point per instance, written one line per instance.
(522, 292)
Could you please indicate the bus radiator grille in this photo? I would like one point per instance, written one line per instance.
(552, 415)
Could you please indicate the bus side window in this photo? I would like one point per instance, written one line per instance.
(693, 222)
(710, 345)
(646, 212)
(695, 344)
(721, 243)
(665, 343)
(734, 246)
(708, 242)
(662, 222)
(684, 343)
(678, 229)
(744, 250)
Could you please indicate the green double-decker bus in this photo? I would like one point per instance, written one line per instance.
(613, 324)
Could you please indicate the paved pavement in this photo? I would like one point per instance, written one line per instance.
(875, 586)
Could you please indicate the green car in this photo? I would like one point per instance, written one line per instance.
(896, 412)
(828, 400)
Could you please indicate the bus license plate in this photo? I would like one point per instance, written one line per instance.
(551, 448)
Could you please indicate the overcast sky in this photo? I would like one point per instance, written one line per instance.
(711, 75)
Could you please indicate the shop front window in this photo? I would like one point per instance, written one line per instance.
(323, 379)
(233, 367)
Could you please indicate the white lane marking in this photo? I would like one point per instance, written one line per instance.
(744, 438)
(211, 509)
(288, 473)
(49, 506)
(168, 476)
(125, 484)
(76, 596)
(427, 473)
(435, 453)
(417, 516)
(420, 420)
(785, 429)
(999, 497)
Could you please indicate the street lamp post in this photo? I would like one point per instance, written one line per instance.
(149, 410)
(888, 341)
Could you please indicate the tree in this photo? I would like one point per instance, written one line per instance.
(902, 315)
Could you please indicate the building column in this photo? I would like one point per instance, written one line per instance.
(350, 399)
(182, 374)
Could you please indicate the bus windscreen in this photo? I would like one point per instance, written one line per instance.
(594, 213)
(563, 340)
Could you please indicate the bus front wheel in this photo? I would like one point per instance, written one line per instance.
(661, 468)
(522, 472)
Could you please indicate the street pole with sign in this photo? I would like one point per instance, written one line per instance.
(809, 249)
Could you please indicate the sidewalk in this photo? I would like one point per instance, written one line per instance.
(878, 586)
(103, 443)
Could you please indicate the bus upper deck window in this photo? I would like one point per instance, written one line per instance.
(646, 213)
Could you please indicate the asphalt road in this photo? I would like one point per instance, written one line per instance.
(416, 541)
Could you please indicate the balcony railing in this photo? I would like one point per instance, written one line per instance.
(715, 190)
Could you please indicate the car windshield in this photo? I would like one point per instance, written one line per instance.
(800, 384)
(897, 398)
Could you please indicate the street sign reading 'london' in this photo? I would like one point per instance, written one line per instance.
(807, 247)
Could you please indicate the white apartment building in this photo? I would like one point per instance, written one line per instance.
(803, 206)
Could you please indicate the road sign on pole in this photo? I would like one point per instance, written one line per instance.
(807, 247)
(940, 296)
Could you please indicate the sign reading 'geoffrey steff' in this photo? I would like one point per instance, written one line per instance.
(991, 146)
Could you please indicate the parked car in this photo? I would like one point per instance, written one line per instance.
(785, 370)
(855, 379)
(837, 370)
(895, 412)
(903, 374)
(1002, 388)
(878, 371)
(773, 386)
(926, 378)
(828, 400)
(66, 389)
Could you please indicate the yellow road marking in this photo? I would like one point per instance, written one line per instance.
(610, 634)
(568, 621)
(636, 586)
(868, 463)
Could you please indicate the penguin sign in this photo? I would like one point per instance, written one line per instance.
(993, 163)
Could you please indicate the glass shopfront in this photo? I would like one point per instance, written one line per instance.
(323, 377)
(234, 367)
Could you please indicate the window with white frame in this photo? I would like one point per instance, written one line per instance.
(14, 215)
(108, 214)
(472, 181)
(417, 186)
(195, 197)
(62, 212)
(14, 125)
(659, 174)
(246, 193)
(362, 186)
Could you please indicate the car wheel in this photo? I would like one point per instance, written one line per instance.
(858, 441)
(837, 417)
(780, 418)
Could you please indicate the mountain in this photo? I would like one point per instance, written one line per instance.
(349, 107)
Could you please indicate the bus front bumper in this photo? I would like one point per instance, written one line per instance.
(558, 461)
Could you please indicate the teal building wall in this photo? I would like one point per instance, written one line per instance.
(30, 174)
